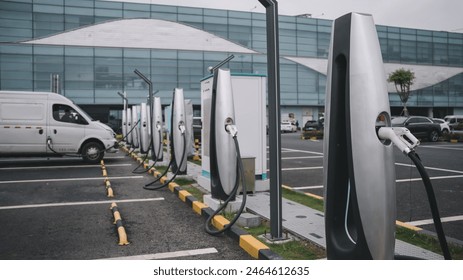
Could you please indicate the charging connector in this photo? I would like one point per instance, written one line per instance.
(231, 129)
(405, 141)
(402, 138)
(181, 127)
(158, 126)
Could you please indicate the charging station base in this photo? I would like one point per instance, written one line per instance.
(272, 240)
(233, 206)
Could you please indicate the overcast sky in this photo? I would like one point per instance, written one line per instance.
(446, 15)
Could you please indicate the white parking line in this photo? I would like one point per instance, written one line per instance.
(169, 255)
(79, 203)
(62, 166)
(431, 168)
(301, 151)
(70, 179)
(301, 168)
(287, 150)
(302, 157)
(442, 147)
(431, 178)
(430, 221)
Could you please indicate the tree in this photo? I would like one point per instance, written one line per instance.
(402, 80)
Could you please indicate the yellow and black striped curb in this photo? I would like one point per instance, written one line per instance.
(120, 227)
(109, 190)
(249, 243)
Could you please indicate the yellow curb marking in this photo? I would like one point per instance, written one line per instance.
(251, 245)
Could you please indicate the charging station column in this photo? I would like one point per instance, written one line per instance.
(359, 172)
(222, 149)
(178, 139)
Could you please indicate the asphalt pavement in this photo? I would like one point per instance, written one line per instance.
(302, 170)
(58, 209)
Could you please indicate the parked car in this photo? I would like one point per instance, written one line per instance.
(455, 121)
(287, 126)
(444, 126)
(421, 127)
(312, 125)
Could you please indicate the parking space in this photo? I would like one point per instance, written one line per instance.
(59, 209)
(302, 170)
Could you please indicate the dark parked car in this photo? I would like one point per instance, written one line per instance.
(312, 125)
(421, 127)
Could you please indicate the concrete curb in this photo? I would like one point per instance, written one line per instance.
(247, 242)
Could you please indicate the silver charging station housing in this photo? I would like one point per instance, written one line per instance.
(223, 161)
(135, 126)
(157, 130)
(359, 173)
(178, 139)
(144, 128)
(129, 126)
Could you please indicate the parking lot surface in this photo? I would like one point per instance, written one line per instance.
(302, 170)
(58, 208)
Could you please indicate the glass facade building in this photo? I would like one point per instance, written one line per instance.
(39, 38)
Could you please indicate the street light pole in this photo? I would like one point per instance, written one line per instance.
(273, 75)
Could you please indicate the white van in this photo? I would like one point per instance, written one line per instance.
(454, 120)
(44, 123)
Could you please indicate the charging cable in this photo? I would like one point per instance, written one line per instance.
(182, 128)
(156, 155)
(232, 130)
(406, 142)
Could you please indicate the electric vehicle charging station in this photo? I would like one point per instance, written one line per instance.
(124, 113)
(156, 130)
(358, 162)
(249, 95)
(223, 161)
(190, 144)
(225, 157)
(359, 172)
(135, 126)
(178, 133)
(144, 128)
(177, 141)
(128, 134)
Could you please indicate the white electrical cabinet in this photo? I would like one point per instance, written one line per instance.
(249, 97)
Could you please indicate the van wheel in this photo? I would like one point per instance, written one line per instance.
(434, 136)
(92, 152)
